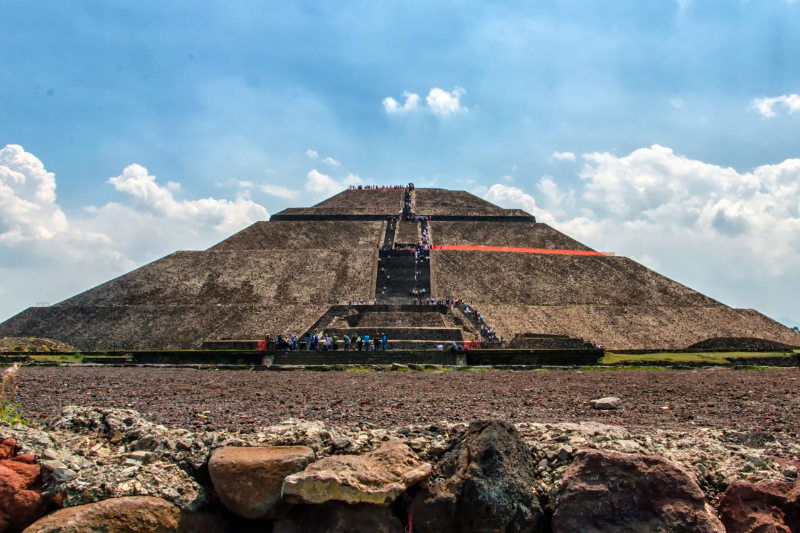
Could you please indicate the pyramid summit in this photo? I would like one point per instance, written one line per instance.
(409, 252)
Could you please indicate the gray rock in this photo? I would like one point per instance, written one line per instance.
(564, 452)
(52, 465)
(607, 403)
(484, 485)
(62, 475)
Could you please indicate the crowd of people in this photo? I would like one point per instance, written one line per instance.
(326, 342)
(373, 187)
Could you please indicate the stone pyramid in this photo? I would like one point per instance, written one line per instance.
(299, 269)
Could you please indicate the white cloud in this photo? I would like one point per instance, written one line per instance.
(234, 183)
(281, 192)
(327, 186)
(766, 106)
(65, 255)
(443, 103)
(677, 103)
(564, 156)
(511, 197)
(332, 162)
(733, 235)
(390, 105)
(440, 102)
(311, 154)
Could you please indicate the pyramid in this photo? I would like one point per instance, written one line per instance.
(311, 268)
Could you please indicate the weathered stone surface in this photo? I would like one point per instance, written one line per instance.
(336, 517)
(612, 491)
(377, 477)
(21, 501)
(484, 484)
(770, 507)
(249, 480)
(138, 514)
(204, 522)
(609, 402)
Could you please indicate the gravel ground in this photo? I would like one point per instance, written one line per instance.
(745, 400)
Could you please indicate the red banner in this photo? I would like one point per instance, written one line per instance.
(519, 250)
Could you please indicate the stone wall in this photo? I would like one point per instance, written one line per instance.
(507, 278)
(300, 235)
(512, 234)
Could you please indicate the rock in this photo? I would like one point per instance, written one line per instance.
(609, 402)
(21, 500)
(336, 517)
(138, 514)
(202, 522)
(62, 475)
(770, 507)
(484, 484)
(612, 491)
(564, 452)
(249, 480)
(377, 477)
(52, 466)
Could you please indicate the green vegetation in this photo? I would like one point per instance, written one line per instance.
(10, 412)
(709, 358)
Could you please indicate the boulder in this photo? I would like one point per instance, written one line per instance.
(249, 480)
(136, 514)
(336, 517)
(768, 507)
(377, 477)
(21, 500)
(483, 484)
(607, 403)
(612, 491)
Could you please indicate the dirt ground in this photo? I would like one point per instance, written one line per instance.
(746, 400)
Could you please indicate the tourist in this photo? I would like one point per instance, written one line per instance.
(329, 341)
(383, 342)
(347, 343)
(335, 342)
(359, 342)
(366, 342)
(440, 348)
(308, 341)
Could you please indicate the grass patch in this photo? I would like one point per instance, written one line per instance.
(71, 358)
(474, 369)
(710, 358)
(363, 369)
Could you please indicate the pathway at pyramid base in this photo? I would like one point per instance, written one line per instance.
(283, 276)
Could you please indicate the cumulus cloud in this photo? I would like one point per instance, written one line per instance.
(331, 161)
(564, 156)
(67, 254)
(735, 235)
(390, 105)
(311, 154)
(442, 102)
(279, 191)
(327, 186)
(766, 106)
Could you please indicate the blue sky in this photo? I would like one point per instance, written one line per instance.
(227, 99)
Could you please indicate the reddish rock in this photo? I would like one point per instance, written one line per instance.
(21, 500)
(249, 480)
(611, 491)
(766, 507)
(136, 514)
